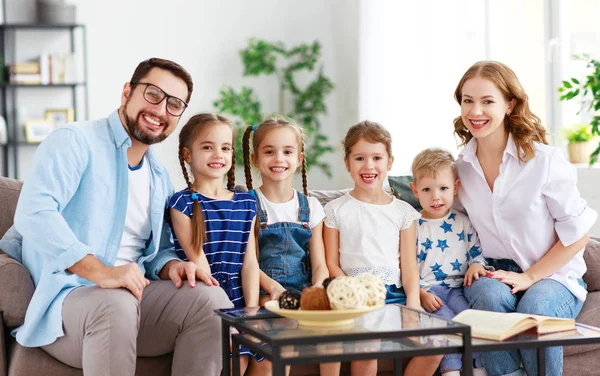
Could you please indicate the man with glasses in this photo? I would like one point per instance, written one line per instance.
(91, 216)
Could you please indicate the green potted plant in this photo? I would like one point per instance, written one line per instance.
(580, 146)
(307, 100)
(586, 91)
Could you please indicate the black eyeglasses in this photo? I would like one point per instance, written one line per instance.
(153, 94)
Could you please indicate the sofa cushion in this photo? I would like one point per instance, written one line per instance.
(590, 315)
(27, 361)
(401, 189)
(16, 291)
(9, 194)
(592, 261)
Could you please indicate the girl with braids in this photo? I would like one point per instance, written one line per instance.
(291, 223)
(522, 199)
(212, 224)
(290, 235)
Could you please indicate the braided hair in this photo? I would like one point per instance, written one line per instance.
(189, 133)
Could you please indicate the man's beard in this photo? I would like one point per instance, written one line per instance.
(136, 131)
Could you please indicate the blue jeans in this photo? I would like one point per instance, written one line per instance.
(546, 297)
(454, 303)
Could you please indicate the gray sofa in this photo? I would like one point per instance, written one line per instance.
(16, 289)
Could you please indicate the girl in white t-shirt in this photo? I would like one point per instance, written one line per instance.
(290, 231)
(367, 230)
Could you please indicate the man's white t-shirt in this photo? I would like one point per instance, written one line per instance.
(137, 230)
(288, 211)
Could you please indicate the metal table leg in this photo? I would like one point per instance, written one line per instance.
(235, 349)
(541, 359)
(225, 347)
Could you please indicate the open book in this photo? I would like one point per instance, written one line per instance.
(499, 326)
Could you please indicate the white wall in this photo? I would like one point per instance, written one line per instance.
(204, 36)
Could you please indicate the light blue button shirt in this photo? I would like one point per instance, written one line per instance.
(73, 204)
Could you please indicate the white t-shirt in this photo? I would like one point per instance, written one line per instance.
(288, 211)
(533, 205)
(137, 228)
(370, 235)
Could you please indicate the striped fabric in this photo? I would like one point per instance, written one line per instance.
(228, 224)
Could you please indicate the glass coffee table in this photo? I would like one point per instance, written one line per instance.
(394, 331)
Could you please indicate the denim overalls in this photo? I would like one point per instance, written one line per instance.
(283, 248)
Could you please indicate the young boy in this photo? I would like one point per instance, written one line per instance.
(448, 250)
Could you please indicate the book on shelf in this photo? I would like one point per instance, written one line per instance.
(498, 326)
(25, 78)
(26, 67)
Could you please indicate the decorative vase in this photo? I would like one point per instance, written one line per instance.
(579, 152)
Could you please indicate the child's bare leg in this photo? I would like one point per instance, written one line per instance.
(363, 367)
(423, 365)
(243, 365)
(263, 368)
(263, 299)
(330, 369)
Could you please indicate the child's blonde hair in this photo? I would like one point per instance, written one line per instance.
(187, 136)
(260, 131)
(431, 162)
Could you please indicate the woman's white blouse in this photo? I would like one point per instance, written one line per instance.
(534, 203)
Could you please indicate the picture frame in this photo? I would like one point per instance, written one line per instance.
(37, 130)
(60, 116)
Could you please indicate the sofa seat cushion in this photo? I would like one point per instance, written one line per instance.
(590, 315)
(16, 291)
(27, 361)
(592, 261)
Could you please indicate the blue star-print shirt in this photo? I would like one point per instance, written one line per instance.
(446, 247)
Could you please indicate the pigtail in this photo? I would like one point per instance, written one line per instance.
(246, 153)
(231, 172)
(198, 229)
(304, 178)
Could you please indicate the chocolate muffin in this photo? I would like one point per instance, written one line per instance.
(289, 300)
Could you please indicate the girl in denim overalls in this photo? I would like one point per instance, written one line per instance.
(290, 224)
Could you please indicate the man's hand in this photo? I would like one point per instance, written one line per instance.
(128, 276)
(178, 270)
(430, 302)
(473, 273)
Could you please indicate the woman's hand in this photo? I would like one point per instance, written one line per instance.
(518, 281)
(473, 273)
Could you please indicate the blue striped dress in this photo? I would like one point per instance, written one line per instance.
(228, 224)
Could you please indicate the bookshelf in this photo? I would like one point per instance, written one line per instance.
(11, 93)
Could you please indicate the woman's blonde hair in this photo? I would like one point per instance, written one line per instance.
(524, 125)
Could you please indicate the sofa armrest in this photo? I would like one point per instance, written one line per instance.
(16, 290)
